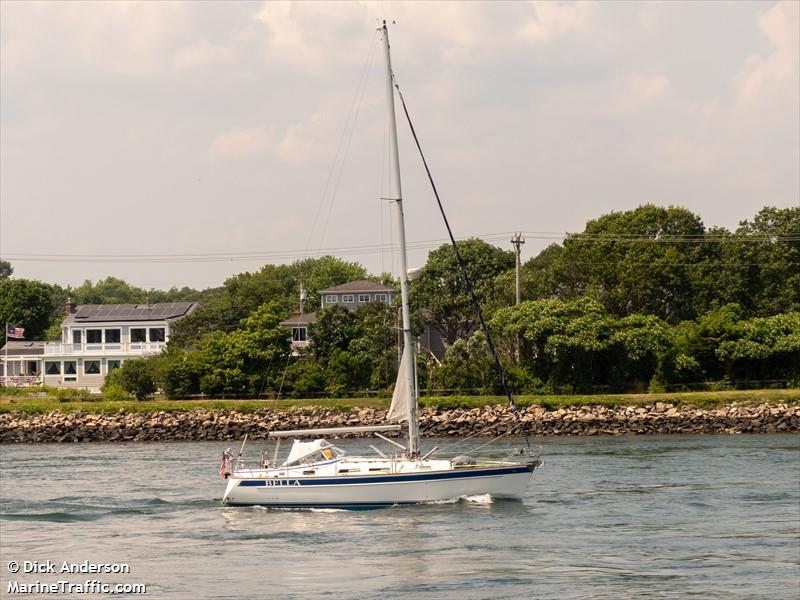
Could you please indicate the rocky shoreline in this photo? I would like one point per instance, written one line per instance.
(198, 425)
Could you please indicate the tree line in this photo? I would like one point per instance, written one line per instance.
(641, 299)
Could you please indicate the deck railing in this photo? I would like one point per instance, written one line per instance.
(132, 348)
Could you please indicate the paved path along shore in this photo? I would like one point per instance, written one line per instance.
(203, 424)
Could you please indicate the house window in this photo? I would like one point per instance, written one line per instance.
(299, 334)
(157, 334)
(113, 364)
(331, 299)
(138, 335)
(52, 367)
(94, 336)
(91, 367)
(380, 298)
(348, 298)
(70, 367)
(112, 336)
(76, 336)
(363, 297)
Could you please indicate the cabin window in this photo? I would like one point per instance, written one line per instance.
(91, 367)
(157, 334)
(70, 367)
(52, 367)
(112, 336)
(138, 335)
(363, 297)
(299, 334)
(94, 336)
(331, 299)
(113, 364)
(380, 298)
(348, 298)
(76, 336)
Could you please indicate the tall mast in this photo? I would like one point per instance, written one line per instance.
(396, 196)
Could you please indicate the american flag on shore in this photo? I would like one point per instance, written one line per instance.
(17, 333)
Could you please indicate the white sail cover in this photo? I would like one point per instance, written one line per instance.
(401, 398)
(302, 449)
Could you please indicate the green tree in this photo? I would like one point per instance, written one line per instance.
(637, 261)
(334, 330)
(440, 294)
(249, 360)
(180, 372)
(758, 267)
(136, 376)
(764, 348)
(222, 309)
(5, 269)
(26, 303)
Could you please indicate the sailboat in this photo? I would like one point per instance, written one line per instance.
(319, 474)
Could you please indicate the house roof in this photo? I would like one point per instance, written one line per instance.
(299, 319)
(23, 348)
(363, 285)
(97, 313)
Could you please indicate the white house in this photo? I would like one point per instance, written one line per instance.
(95, 340)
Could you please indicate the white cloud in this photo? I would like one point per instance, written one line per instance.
(204, 54)
(773, 77)
(301, 142)
(639, 92)
(125, 37)
(551, 20)
(241, 142)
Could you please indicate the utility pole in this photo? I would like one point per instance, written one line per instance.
(517, 241)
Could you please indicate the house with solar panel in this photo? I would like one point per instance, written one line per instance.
(95, 340)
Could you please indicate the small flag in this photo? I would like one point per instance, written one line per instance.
(16, 332)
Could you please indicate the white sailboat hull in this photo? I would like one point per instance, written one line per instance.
(508, 481)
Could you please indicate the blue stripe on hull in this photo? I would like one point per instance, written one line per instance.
(348, 506)
(397, 478)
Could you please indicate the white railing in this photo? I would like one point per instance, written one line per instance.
(20, 380)
(130, 348)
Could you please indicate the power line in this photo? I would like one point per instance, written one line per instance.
(259, 255)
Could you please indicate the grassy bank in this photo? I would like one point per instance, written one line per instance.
(27, 404)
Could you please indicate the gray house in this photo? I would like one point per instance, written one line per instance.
(353, 294)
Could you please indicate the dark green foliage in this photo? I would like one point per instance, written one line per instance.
(222, 309)
(136, 376)
(663, 262)
(336, 328)
(440, 294)
(636, 261)
(304, 378)
(357, 349)
(577, 345)
(181, 372)
(6, 269)
(26, 303)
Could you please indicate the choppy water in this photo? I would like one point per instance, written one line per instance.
(625, 517)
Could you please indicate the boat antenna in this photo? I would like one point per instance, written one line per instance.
(498, 367)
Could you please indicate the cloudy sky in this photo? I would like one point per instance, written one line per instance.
(177, 144)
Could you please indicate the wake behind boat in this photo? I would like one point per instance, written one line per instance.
(318, 474)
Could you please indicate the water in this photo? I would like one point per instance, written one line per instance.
(623, 517)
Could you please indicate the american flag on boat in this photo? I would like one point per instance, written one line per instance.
(15, 332)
